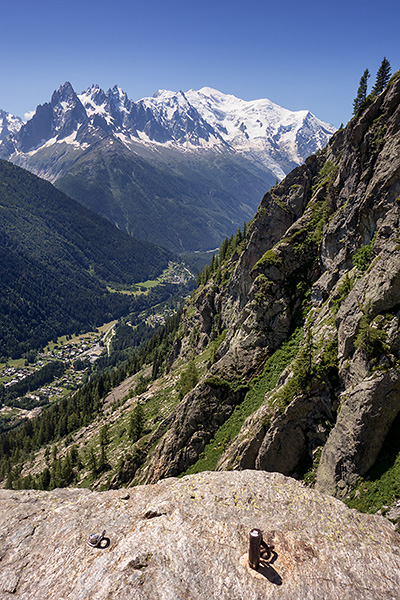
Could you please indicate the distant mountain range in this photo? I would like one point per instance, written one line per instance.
(183, 169)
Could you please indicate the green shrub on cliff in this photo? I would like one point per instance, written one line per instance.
(370, 339)
(364, 255)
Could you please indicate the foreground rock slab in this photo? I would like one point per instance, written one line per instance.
(185, 539)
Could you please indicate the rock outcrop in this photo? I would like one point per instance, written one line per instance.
(322, 254)
(188, 538)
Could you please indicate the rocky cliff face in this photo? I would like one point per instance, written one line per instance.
(188, 538)
(320, 261)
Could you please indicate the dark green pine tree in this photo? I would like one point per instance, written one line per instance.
(360, 100)
(188, 379)
(382, 78)
(136, 423)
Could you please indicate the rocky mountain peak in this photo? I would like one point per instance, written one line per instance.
(177, 120)
(9, 124)
(95, 93)
(119, 95)
(68, 112)
(206, 118)
(65, 93)
(210, 158)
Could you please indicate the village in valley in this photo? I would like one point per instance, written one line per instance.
(76, 354)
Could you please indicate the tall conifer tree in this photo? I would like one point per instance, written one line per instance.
(359, 101)
(382, 78)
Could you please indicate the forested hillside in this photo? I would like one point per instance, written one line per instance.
(189, 203)
(56, 261)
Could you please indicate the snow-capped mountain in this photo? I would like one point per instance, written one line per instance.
(269, 133)
(205, 119)
(211, 154)
(262, 128)
(172, 120)
(9, 124)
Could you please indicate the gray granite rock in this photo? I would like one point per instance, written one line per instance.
(188, 538)
(364, 419)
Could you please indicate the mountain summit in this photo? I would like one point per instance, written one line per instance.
(182, 169)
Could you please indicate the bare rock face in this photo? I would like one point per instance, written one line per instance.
(193, 425)
(364, 419)
(188, 538)
(292, 432)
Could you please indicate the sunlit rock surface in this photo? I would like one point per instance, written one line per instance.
(186, 539)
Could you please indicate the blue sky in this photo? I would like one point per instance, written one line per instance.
(301, 55)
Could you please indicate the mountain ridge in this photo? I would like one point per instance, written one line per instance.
(199, 180)
(204, 114)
